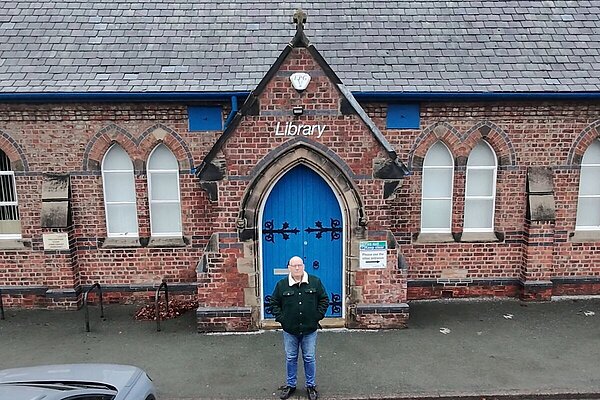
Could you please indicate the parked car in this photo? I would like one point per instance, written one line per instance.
(76, 382)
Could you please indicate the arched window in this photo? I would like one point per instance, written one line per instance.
(10, 224)
(436, 204)
(119, 193)
(588, 206)
(480, 193)
(163, 192)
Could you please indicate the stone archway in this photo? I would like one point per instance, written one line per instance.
(334, 172)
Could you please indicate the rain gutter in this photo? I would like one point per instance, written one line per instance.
(474, 96)
(81, 97)
(228, 96)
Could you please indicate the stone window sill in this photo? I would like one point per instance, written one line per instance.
(479, 237)
(12, 244)
(121, 242)
(584, 236)
(171, 241)
(434, 238)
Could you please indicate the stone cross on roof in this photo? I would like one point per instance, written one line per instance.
(299, 19)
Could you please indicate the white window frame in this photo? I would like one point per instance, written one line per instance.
(491, 197)
(151, 202)
(9, 172)
(589, 196)
(107, 203)
(450, 199)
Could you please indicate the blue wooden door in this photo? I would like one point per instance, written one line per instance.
(302, 217)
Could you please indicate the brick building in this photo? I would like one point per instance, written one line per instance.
(411, 151)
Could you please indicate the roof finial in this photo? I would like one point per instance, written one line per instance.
(299, 19)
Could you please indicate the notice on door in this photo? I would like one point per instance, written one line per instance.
(373, 254)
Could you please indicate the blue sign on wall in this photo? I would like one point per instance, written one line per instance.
(205, 118)
(302, 217)
(403, 116)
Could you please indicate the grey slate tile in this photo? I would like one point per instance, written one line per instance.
(373, 45)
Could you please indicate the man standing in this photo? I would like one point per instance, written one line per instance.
(298, 303)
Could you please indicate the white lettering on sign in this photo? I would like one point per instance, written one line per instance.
(373, 254)
(291, 129)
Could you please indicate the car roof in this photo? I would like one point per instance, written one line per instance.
(119, 376)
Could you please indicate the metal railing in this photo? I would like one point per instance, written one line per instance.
(157, 298)
(1, 306)
(85, 305)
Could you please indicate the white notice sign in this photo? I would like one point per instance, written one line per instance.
(56, 241)
(373, 254)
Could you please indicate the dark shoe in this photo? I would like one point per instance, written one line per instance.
(286, 392)
(312, 393)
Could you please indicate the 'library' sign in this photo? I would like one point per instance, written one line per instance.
(292, 129)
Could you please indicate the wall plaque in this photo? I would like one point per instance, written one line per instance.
(300, 80)
(56, 241)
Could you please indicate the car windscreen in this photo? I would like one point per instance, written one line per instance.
(67, 390)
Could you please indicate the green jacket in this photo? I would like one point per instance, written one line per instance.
(300, 307)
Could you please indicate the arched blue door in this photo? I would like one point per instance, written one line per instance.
(302, 217)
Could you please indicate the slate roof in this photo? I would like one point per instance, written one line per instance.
(204, 45)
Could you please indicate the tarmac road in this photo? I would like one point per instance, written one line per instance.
(459, 349)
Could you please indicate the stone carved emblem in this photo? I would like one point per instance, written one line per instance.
(300, 80)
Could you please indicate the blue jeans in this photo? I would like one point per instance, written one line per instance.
(291, 344)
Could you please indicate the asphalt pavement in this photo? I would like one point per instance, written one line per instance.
(457, 349)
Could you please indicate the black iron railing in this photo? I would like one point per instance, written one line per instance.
(156, 300)
(85, 305)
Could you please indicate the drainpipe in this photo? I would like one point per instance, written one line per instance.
(234, 110)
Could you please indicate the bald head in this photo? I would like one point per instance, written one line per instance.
(296, 268)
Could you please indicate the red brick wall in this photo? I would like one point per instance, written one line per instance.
(59, 138)
(540, 134)
(253, 139)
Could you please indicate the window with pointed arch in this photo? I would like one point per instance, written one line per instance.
(588, 205)
(119, 193)
(163, 193)
(480, 193)
(436, 200)
(10, 223)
